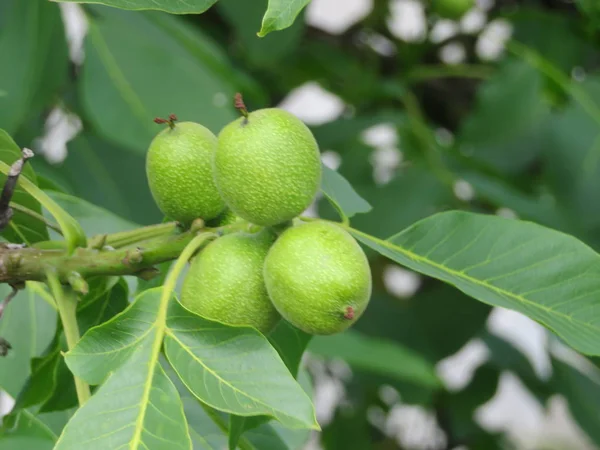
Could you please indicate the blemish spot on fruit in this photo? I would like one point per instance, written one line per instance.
(349, 314)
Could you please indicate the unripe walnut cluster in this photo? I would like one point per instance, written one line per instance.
(252, 181)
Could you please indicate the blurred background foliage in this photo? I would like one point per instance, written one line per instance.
(497, 113)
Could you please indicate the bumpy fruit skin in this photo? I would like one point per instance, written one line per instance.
(318, 278)
(452, 9)
(225, 282)
(267, 167)
(179, 170)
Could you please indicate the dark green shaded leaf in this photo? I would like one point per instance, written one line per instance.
(377, 355)
(26, 432)
(28, 324)
(110, 177)
(572, 159)
(505, 356)
(122, 97)
(341, 194)
(93, 220)
(32, 41)
(22, 227)
(245, 18)
(413, 194)
(503, 128)
(582, 391)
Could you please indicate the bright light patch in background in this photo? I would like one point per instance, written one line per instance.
(313, 104)
(453, 53)
(491, 42)
(331, 16)
(407, 20)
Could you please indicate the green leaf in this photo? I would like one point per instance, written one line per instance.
(140, 409)
(32, 40)
(290, 343)
(51, 383)
(93, 219)
(436, 322)
(378, 356)
(23, 228)
(582, 392)
(170, 6)
(28, 323)
(341, 194)
(551, 277)
(413, 194)
(234, 370)
(27, 432)
(103, 174)
(281, 14)
(129, 57)
(70, 228)
(126, 349)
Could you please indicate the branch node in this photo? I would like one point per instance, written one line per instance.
(98, 242)
(197, 225)
(133, 257)
(148, 273)
(78, 283)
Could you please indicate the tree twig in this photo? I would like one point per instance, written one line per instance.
(6, 212)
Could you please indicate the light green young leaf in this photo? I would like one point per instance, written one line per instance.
(139, 405)
(70, 228)
(281, 14)
(26, 431)
(170, 6)
(342, 195)
(234, 369)
(23, 228)
(377, 356)
(139, 408)
(549, 276)
(33, 40)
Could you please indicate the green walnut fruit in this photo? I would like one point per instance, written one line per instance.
(225, 282)
(267, 166)
(452, 9)
(318, 278)
(179, 170)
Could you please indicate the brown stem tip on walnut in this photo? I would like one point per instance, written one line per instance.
(239, 104)
(170, 121)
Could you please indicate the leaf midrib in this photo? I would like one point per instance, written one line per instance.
(169, 333)
(459, 274)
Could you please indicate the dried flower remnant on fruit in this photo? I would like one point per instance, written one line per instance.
(239, 104)
(170, 121)
(349, 314)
